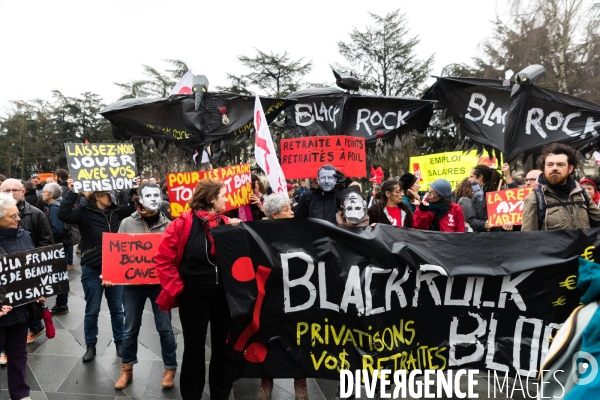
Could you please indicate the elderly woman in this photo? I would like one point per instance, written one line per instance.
(189, 273)
(51, 194)
(389, 208)
(278, 206)
(13, 324)
(100, 214)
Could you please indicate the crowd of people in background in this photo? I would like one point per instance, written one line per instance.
(35, 214)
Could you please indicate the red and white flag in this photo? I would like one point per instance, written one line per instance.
(184, 86)
(264, 151)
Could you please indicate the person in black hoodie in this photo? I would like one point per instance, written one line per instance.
(100, 215)
(32, 198)
(325, 200)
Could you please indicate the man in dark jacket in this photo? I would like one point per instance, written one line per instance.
(323, 201)
(35, 222)
(101, 214)
(61, 176)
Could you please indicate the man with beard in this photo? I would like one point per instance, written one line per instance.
(558, 202)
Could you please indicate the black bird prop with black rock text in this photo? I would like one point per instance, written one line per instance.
(349, 83)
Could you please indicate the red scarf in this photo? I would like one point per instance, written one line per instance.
(211, 220)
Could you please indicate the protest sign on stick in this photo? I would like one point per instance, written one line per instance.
(302, 157)
(453, 166)
(128, 258)
(100, 167)
(25, 276)
(506, 206)
(237, 180)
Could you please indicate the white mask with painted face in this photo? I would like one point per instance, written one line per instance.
(355, 208)
(150, 198)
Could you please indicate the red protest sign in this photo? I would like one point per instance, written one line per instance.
(506, 206)
(302, 157)
(128, 258)
(237, 180)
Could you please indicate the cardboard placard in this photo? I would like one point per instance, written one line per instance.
(453, 166)
(302, 157)
(506, 206)
(128, 258)
(101, 166)
(25, 276)
(237, 180)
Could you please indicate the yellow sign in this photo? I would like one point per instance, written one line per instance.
(453, 166)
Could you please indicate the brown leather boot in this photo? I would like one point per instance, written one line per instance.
(126, 376)
(169, 378)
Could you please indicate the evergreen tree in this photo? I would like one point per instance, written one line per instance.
(383, 57)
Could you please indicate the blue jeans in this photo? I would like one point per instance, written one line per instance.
(93, 289)
(62, 299)
(134, 299)
(69, 254)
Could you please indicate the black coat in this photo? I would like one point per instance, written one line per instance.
(377, 215)
(36, 223)
(32, 198)
(319, 204)
(92, 223)
(12, 240)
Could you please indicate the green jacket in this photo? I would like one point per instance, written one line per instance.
(571, 216)
(136, 224)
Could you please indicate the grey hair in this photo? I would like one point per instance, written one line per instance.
(274, 203)
(6, 200)
(54, 190)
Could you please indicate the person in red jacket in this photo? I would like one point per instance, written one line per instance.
(437, 212)
(190, 276)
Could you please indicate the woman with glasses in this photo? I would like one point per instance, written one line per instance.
(389, 208)
(437, 212)
(13, 321)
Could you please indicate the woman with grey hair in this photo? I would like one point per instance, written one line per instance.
(13, 322)
(52, 195)
(278, 206)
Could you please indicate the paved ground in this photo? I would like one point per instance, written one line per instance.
(56, 372)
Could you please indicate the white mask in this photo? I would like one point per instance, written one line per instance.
(355, 207)
(150, 198)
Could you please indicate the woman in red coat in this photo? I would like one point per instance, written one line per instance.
(190, 276)
(437, 212)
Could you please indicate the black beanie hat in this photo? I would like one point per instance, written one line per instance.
(408, 180)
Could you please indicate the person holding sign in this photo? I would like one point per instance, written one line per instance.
(483, 180)
(147, 219)
(101, 214)
(188, 269)
(13, 323)
(389, 209)
(437, 212)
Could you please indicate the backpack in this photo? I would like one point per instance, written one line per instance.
(542, 206)
(560, 368)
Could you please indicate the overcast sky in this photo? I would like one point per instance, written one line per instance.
(79, 46)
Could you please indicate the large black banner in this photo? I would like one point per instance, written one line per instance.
(222, 116)
(308, 298)
(25, 276)
(478, 107)
(330, 111)
(539, 116)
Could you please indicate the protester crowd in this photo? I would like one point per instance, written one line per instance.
(36, 214)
